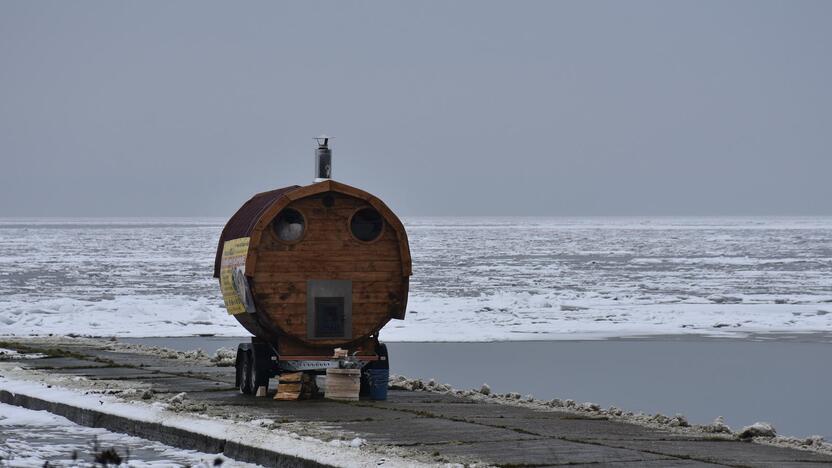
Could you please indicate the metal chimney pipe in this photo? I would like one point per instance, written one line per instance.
(323, 159)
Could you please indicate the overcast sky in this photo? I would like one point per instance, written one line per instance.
(187, 108)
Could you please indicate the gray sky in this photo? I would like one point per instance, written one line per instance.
(440, 108)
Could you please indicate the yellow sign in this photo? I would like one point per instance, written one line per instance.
(234, 254)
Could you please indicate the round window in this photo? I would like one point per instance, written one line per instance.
(366, 224)
(289, 225)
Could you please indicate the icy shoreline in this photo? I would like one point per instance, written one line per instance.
(122, 398)
(759, 432)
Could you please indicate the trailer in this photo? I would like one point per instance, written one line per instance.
(308, 269)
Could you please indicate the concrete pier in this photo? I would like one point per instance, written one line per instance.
(434, 427)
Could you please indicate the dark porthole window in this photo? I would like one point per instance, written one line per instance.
(366, 224)
(289, 225)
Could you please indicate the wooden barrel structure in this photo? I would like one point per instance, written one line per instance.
(312, 268)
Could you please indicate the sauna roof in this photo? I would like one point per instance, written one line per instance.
(250, 219)
(244, 220)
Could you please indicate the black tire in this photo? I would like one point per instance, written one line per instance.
(238, 362)
(261, 367)
(246, 370)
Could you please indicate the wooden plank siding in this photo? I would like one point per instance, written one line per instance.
(320, 188)
(327, 250)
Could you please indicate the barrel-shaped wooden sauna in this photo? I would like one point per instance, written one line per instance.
(309, 269)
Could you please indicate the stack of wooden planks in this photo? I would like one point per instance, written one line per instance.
(343, 384)
(295, 386)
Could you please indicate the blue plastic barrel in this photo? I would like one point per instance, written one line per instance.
(377, 380)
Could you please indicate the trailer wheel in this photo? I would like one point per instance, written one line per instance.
(245, 369)
(261, 366)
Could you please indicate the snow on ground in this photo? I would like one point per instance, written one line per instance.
(79, 392)
(12, 354)
(32, 438)
(491, 278)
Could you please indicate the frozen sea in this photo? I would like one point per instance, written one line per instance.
(475, 279)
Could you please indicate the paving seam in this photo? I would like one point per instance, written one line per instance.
(114, 365)
(428, 414)
(602, 463)
(108, 366)
(458, 442)
(78, 354)
(165, 434)
(798, 460)
(670, 456)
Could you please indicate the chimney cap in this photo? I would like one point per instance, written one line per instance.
(323, 140)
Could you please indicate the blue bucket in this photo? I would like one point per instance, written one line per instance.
(377, 380)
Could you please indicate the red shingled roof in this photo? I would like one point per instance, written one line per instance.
(244, 220)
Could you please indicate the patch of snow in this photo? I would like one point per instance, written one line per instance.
(718, 426)
(225, 357)
(17, 416)
(758, 429)
(14, 355)
(32, 438)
